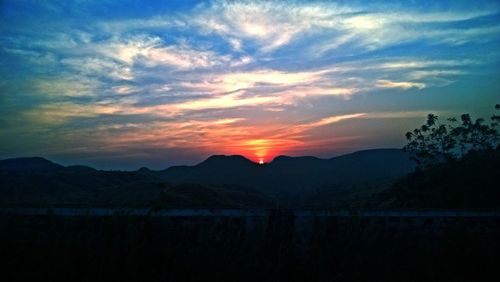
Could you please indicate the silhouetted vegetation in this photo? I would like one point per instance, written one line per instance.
(458, 166)
(470, 182)
(436, 142)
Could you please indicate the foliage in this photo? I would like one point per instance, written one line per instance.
(435, 142)
(470, 182)
(458, 163)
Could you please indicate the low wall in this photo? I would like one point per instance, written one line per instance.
(249, 245)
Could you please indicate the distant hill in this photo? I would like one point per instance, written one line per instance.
(296, 177)
(29, 165)
(225, 181)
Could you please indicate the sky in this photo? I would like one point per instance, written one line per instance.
(124, 84)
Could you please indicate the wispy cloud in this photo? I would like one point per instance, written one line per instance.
(258, 77)
(331, 119)
(272, 25)
(399, 84)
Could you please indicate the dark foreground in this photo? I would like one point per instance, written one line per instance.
(253, 245)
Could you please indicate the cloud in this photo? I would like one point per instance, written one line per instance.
(298, 129)
(58, 113)
(274, 25)
(182, 57)
(225, 82)
(422, 74)
(124, 89)
(235, 43)
(240, 76)
(369, 31)
(241, 61)
(228, 135)
(399, 84)
(222, 102)
(312, 91)
(70, 86)
(271, 24)
(175, 134)
(242, 80)
(152, 51)
(99, 66)
(403, 114)
(419, 63)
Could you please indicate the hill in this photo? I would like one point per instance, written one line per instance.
(296, 178)
(219, 181)
(33, 164)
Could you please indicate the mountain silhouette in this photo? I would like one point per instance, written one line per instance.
(225, 162)
(296, 176)
(220, 180)
(29, 164)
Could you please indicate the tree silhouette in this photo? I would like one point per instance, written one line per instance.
(435, 142)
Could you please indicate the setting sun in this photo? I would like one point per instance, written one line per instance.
(183, 80)
(275, 140)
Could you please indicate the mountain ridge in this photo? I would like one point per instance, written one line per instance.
(291, 181)
(29, 164)
(41, 163)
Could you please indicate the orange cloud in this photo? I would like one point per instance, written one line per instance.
(224, 136)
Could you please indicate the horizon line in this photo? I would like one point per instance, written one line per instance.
(204, 160)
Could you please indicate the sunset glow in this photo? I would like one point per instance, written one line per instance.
(119, 85)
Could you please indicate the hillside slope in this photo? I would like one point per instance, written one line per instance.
(219, 181)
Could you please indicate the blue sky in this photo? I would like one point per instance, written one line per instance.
(123, 84)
